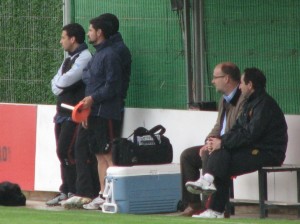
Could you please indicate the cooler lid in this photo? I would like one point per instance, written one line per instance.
(118, 171)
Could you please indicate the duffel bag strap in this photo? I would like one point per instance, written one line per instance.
(139, 132)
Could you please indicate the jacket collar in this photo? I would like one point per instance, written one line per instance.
(235, 98)
(102, 45)
(80, 48)
(116, 38)
(256, 94)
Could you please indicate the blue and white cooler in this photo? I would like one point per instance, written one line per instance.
(142, 189)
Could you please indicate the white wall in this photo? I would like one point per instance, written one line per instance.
(184, 129)
(47, 167)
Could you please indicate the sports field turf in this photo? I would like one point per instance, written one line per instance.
(21, 215)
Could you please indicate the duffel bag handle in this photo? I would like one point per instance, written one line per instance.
(141, 131)
(157, 128)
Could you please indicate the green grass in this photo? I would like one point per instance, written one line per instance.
(20, 215)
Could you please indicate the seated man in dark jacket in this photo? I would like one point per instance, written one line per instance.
(259, 138)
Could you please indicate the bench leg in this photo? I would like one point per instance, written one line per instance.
(231, 195)
(229, 207)
(262, 184)
(298, 191)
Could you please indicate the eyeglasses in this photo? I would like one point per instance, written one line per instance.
(216, 77)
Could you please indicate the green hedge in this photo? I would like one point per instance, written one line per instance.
(30, 51)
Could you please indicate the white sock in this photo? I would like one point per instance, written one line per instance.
(209, 178)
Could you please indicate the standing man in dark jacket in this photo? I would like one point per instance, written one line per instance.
(68, 87)
(123, 52)
(102, 77)
(259, 138)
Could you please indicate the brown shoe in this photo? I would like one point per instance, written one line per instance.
(189, 211)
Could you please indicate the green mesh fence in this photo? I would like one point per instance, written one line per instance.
(259, 33)
(152, 32)
(29, 49)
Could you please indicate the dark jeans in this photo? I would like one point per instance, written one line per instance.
(223, 165)
(190, 165)
(65, 135)
(87, 183)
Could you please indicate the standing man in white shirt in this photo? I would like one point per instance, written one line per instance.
(68, 87)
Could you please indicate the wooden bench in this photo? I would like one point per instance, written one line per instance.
(264, 204)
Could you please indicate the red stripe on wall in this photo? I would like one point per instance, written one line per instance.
(17, 144)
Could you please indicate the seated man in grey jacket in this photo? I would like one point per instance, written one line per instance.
(226, 79)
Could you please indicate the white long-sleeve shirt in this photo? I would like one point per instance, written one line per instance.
(61, 81)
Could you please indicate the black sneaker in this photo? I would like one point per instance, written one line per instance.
(56, 201)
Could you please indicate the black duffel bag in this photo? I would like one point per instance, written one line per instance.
(143, 147)
(11, 194)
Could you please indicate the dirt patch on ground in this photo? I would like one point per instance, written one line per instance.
(40, 205)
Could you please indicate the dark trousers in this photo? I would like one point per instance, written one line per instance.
(222, 165)
(65, 135)
(190, 165)
(87, 183)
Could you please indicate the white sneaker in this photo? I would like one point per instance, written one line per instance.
(76, 202)
(95, 204)
(192, 189)
(200, 186)
(210, 214)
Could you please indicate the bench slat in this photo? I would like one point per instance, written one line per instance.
(284, 167)
(269, 203)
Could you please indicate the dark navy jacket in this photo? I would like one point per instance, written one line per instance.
(122, 50)
(102, 78)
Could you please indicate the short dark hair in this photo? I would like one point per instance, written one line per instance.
(75, 30)
(232, 70)
(256, 76)
(103, 24)
(114, 21)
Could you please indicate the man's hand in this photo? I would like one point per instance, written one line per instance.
(87, 102)
(203, 150)
(213, 144)
(84, 124)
